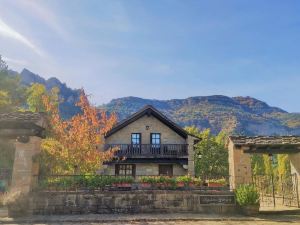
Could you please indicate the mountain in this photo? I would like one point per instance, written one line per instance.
(67, 95)
(237, 115)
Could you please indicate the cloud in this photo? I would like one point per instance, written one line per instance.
(18, 62)
(44, 14)
(9, 32)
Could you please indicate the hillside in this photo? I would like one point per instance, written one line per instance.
(237, 115)
(67, 95)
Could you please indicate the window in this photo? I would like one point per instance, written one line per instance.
(136, 138)
(155, 139)
(166, 170)
(125, 169)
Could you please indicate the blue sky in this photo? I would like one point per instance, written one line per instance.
(159, 49)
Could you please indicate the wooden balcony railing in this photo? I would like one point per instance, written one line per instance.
(150, 150)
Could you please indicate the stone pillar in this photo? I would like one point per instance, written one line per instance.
(24, 170)
(295, 167)
(239, 166)
(191, 156)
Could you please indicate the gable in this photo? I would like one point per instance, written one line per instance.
(149, 111)
(145, 126)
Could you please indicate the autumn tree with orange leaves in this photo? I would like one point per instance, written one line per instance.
(73, 145)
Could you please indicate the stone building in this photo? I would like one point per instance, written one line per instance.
(150, 144)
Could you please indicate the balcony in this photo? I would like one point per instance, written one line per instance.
(150, 150)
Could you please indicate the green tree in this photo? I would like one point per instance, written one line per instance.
(257, 164)
(35, 94)
(11, 91)
(211, 156)
(268, 165)
(284, 166)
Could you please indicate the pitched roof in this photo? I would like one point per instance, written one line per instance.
(265, 140)
(150, 111)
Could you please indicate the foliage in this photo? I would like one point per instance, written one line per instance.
(159, 180)
(268, 164)
(7, 153)
(222, 181)
(211, 156)
(170, 181)
(35, 94)
(247, 194)
(262, 164)
(11, 92)
(257, 164)
(83, 181)
(284, 166)
(184, 179)
(72, 145)
(237, 115)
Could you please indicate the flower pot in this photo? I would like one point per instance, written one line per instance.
(180, 184)
(145, 185)
(250, 210)
(126, 185)
(192, 185)
(160, 185)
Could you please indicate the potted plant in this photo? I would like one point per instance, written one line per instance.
(247, 197)
(146, 182)
(123, 182)
(183, 181)
(196, 182)
(217, 182)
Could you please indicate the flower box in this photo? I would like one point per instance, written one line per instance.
(121, 185)
(145, 185)
(215, 184)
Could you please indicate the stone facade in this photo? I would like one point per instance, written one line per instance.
(132, 202)
(239, 166)
(25, 171)
(26, 129)
(148, 169)
(168, 136)
(295, 167)
(240, 149)
(146, 125)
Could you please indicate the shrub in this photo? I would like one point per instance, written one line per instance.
(247, 194)
(219, 181)
(159, 180)
(120, 180)
(150, 180)
(184, 179)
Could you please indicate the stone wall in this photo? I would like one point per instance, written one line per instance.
(123, 136)
(158, 201)
(295, 167)
(239, 166)
(147, 169)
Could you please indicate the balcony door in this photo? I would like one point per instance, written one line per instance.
(136, 141)
(155, 140)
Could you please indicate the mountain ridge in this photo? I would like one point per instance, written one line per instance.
(68, 96)
(234, 115)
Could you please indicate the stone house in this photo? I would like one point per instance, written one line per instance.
(150, 144)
